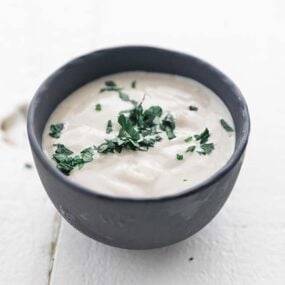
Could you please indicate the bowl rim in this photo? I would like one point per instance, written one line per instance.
(37, 147)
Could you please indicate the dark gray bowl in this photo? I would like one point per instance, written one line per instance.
(127, 222)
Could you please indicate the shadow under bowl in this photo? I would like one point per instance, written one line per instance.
(129, 222)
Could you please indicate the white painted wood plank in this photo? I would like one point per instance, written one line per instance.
(28, 220)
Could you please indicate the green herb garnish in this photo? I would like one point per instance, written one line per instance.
(110, 83)
(55, 130)
(112, 86)
(191, 148)
(203, 137)
(109, 127)
(62, 149)
(193, 108)
(87, 154)
(134, 84)
(128, 128)
(109, 89)
(98, 107)
(179, 156)
(226, 126)
(188, 139)
(125, 97)
(109, 146)
(158, 138)
(207, 148)
(168, 125)
(139, 130)
(28, 165)
(66, 163)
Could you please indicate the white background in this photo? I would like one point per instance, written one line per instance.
(245, 243)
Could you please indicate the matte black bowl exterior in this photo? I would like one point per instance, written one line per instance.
(126, 222)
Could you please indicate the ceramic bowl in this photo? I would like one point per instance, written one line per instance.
(130, 222)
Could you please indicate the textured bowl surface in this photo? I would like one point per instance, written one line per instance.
(127, 222)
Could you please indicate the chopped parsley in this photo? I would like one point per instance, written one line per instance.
(112, 86)
(110, 83)
(66, 162)
(125, 97)
(55, 130)
(28, 165)
(191, 148)
(128, 129)
(179, 156)
(87, 154)
(203, 137)
(109, 127)
(207, 148)
(226, 126)
(158, 138)
(139, 130)
(168, 125)
(98, 107)
(62, 149)
(109, 89)
(134, 84)
(188, 139)
(193, 108)
(109, 146)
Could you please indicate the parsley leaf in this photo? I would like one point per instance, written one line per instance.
(109, 146)
(125, 97)
(55, 130)
(226, 126)
(158, 138)
(138, 130)
(98, 107)
(134, 84)
(188, 139)
(168, 125)
(179, 156)
(151, 116)
(28, 165)
(87, 154)
(109, 127)
(193, 108)
(207, 148)
(112, 86)
(62, 149)
(203, 137)
(110, 83)
(66, 163)
(128, 127)
(191, 148)
(109, 89)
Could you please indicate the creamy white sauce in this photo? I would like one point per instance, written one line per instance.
(155, 172)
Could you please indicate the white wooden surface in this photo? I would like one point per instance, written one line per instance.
(245, 243)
